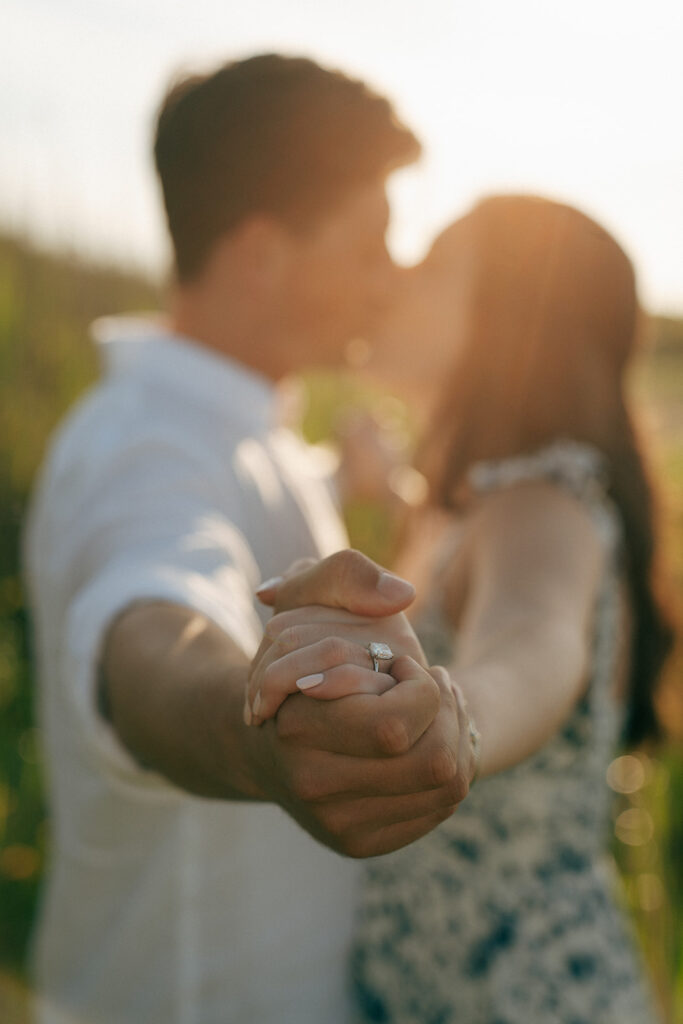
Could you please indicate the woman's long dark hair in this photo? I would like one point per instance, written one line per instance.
(551, 324)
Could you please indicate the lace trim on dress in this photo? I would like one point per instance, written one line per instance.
(579, 468)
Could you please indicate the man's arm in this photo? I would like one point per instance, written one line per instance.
(173, 683)
(364, 778)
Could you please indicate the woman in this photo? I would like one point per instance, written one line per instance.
(541, 598)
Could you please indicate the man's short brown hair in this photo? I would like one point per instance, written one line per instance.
(272, 134)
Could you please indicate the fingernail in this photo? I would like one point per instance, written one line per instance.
(393, 587)
(256, 704)
(274, 581)
(246, 713)
(307, 682)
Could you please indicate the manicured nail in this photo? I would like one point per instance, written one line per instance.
(256, 704)
(246, 713)
(270, 584)
(307, 682)
(393, 587)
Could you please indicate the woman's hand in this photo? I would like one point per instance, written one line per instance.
(336, 607)
(324, 653)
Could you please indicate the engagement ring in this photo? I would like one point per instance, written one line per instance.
(379, 652)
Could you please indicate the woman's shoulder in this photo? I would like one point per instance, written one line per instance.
(562, 472)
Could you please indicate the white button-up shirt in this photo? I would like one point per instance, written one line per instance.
(172, 481)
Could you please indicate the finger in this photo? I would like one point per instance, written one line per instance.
(294, 638)
(301, 627)
(395, 632)
(442, 677)
(306, 614)
(363, 725)
(267, 590)
(317, 613)
(308, 667)
(394, 837)
(333, 618)
(343, 681)
(262, 653)
(373, 839)
(345, 644)
(300, 565)
(320, 777)
(349, 580)
(466, 756)
(295, 651)
(343, 815)
(380, 837)
(468, 753)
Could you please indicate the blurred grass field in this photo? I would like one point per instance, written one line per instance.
(46, 304)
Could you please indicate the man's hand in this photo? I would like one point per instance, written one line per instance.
(369, 774)
(365, 775)
(382, 766)
(346, 579)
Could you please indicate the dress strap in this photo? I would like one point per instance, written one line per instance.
(579, 468)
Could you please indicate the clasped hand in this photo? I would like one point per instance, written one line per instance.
(378, 758)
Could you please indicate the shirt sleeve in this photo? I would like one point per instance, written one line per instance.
(153, 530)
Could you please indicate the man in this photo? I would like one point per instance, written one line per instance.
(184, 884)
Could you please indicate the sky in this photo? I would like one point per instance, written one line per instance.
(580, 101)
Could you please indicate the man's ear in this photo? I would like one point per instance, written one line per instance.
(263, 251)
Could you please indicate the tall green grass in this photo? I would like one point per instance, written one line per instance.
(46, 305)
(46, 361)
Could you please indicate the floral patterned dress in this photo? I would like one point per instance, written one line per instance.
(505, 914)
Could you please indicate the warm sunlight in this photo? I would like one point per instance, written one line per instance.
(579, 101)
(341, 561)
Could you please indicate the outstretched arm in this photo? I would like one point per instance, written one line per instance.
(524, 639)
(365, 775)
(533, 561)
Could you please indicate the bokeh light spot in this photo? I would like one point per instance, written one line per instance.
(626, 774)
(19, 862)
(634, 827)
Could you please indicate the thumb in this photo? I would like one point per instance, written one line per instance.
(346, 579)
(267, 590)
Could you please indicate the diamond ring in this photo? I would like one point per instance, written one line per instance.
(379, 652)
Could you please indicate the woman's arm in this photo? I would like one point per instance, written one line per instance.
(534, 560)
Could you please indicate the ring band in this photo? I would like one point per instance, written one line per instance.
(379, 652)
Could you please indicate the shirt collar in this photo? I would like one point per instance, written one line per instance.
(146, 347)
